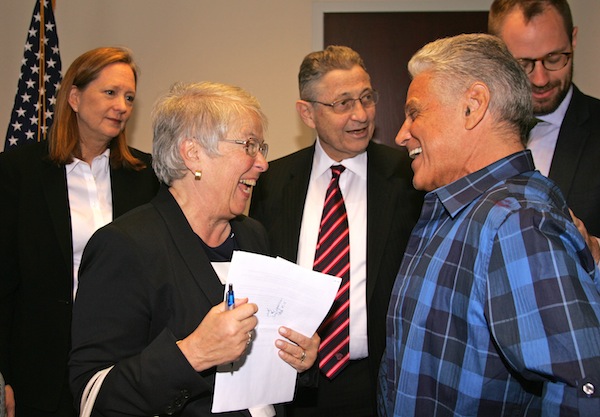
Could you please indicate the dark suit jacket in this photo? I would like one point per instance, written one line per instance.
(36, 267)
(393, 207)
(146, 282)
(576, 163)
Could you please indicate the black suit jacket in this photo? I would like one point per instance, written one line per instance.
(146, 282)
(576, 162)
(393, 207)
(36, 272)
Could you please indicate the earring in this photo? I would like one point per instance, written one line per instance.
(197, 175)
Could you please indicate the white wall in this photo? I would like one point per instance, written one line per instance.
(256, 44)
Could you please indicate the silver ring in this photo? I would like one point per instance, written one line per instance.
(303, 356)
(249, 338)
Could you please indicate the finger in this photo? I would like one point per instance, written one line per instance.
(294, 336)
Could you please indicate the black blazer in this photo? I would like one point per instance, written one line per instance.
(36, 272)
(393, 207)
(576, 162)
(146, 282)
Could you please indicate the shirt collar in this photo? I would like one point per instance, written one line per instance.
(556, 117)
(103, 158)
(322, 162)
(457, 195)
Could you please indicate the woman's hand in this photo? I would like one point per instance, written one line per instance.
(222, 336)
(302, 352)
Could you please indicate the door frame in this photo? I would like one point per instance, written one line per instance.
(321, 7)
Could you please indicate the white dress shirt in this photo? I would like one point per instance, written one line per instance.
(90, 203)
(543, 137)
(353, 183)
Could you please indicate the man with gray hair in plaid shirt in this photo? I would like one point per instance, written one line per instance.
(496, 308)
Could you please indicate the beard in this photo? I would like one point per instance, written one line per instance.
(549, 105)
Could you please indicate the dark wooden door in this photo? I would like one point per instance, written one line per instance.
(386, 41)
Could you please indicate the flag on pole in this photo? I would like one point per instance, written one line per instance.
(40, 78)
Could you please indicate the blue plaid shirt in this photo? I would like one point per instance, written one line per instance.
(495, 311)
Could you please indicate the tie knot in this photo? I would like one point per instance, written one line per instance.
(336, 170)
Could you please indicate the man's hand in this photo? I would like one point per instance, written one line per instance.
(592, 241)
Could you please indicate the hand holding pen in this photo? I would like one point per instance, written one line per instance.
(222, 336)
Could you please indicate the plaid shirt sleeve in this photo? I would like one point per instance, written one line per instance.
(543, 309)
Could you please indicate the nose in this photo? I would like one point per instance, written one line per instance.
(539, 75)
(404, 133)
(121, 104)
(260, 162)
(358, 111)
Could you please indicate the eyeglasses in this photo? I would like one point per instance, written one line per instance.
(368, 99)
(552, 62)
(251, 146)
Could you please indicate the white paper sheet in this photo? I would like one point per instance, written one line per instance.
(286, 295)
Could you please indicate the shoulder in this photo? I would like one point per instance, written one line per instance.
(293, 161)
(36, 151)
(143, 156)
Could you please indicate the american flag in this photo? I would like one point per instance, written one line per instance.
(40, 78)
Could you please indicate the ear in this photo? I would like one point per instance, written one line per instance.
(574, 41)
(190, 153)
(306, 112)
(73, 99)
(477, 100)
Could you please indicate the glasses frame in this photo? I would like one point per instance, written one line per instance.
(335, 106)
(261, 147)
(532, 61)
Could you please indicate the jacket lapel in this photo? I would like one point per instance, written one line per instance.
(54, 184)
(189, 246)
(381, 195)
(571, 142)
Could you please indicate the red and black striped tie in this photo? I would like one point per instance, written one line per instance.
(333, 257)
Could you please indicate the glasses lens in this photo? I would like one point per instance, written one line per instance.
(251, 147)
(343, 106)
(369, 99)
(554, 62)
(527, 65)
(264, 149)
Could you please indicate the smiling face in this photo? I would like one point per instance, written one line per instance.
(431, 134)
(342, 135)
(542, 35)
(230, 176)
(105, 104)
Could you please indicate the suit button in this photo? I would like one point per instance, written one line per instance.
(589, 388)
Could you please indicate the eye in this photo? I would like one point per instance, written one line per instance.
(130, 98)
(109, 92)
(553, 58)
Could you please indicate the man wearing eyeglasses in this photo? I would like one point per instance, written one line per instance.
(338, 101)
(566, 141)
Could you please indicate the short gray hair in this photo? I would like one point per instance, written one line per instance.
(203, 112)
(459, 61)
(316, 64)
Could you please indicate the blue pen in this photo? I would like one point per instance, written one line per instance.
(230, 298)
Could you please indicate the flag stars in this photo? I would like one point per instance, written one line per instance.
(17, 126)
(13, 141)
(30, 83)
(35, 69)
(32, 33)
(30, 134)
(51, 63)
(28, 46)
(49, 27)
(20, 112)
(48, 114)
(26, 97)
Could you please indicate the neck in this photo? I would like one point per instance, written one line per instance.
(213, 230)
